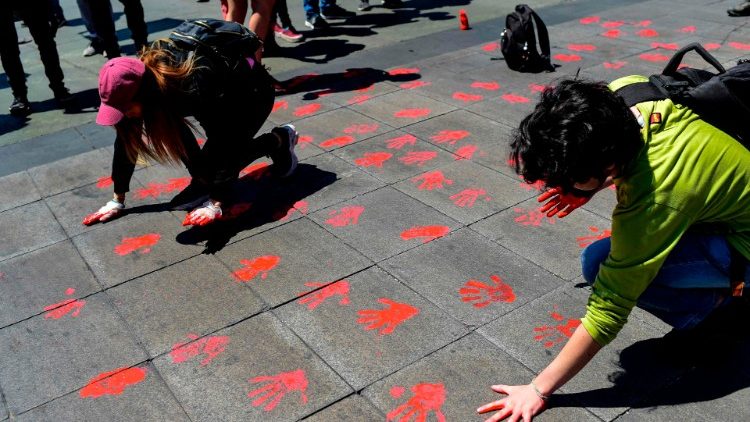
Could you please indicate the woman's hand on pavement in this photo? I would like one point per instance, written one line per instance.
(109, 211)
(522, 403)
(206, 214)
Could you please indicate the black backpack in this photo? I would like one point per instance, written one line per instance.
(518, 42)
(224, 42)
(721, 99)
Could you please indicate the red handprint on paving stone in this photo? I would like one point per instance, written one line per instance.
(104, 182)
(338, 141)
(211, 346)
(403, 71)
(414, 84)
(361, 129)
(584, 241)
(257, 266)
(427, 398)
(347, 216)
(413, 113)
(306, 110)
(155, 190)
(256, 171)
(373, 159)
(285, 213)
(303, 141)
(432, 180)
(426, 233)
(537, 87)
(277, 387)
(491, 46)
(386, 319)
(465, 97)
(280, 105)
(489, 86)
(612, 33)
(534, 217)
(358, 99)
(513, 98)
(551, 335)
(589, 20)
(538, 185)
(483, 294)
(581, 47)
(450, 136)
(647, 33)
(112, 383)
(467, 197)
(60, 309)
(465, 152)
(418, 157)
(313, 300)
(401, 141)
(132, 244)
(614, 65)
(567, 57)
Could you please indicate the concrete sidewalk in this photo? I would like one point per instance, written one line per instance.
(398, 274)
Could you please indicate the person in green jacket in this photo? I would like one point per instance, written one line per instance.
(675, 176)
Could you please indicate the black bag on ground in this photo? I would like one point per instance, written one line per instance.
(721, 99)
(518, 42)
(226, 42)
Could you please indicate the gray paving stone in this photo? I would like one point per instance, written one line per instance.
(455, 381)
(31, 282)
(603, 203)
(552, 243)
(169, 305)
(18, 189)
(510, 80)
(354, 408)
(302, 251)
(359, 354)
(340, 127)
(357, 92)
(455, 90)
(130, 248)
(289, 109)
(399, 109)
(46, 357)
(475, 192)
(443, 271)
(99, 136)
(509, 108)
(466, 62)
(536, 333)
(149, 400)
(373, 223)
(259, 347)
(71, 173)
(3, 408)
(28, 228)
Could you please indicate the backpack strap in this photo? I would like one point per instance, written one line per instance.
(640, 92)
(541, 29)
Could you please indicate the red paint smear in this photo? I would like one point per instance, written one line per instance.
(513, 98)
(584, 241)
(387, 319)
(491, 46)
(412, 113)
(155, 190)
(313, 300)
(739, 46)
(450, 136)
(60, 309)
(303, 141)
(257, 266)
(359, 99)
(361, 129)
(643, 23)
(537, 186)
(401, 141)
(537, 87)
(373, 159)
(427, 398)
(368, 88)
(300, 206)
(280, 105)
(612, 24)
(612, 33)
(426, 233)
(298, 80)
(113, 383)
(614, 65)
(581, 47)
(712, 46)
(481, 294)
(337, 142)
(467, 197)
(653, 57)
(689, 28)
(432, 180)
(551, 335)
(647, 33)
(236, 210)
(589, 20)
(347, 216)
(665, 46)
(567, 57)
(397, 391)
(307, 110)
(104, 182)
(414, 84)
(132, 244)
(463, 96)
(403, 71)
(276, 387)
(465, 152)
(256, 171)
(489, 86)
(69, 291)
(531, 218)
(418, 157)
(210, 346)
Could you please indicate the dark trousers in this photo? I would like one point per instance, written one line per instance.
(281, 10)
(104, 25)
(35, 14)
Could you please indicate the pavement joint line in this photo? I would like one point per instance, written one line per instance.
(352, 394)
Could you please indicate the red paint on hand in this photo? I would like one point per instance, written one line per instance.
(689, 29)
(307, 109)
(338, 141)
(387, 319)
(426, 233)
(647, 33)
(589, 20)
(280, 105)
(463, 96)
(432, 180)
(513, 98)
(612, 24)
(113, 383)
(427, 398)
(315, 299)
(361, 129)
(450, 136)
(584, 241)
(567, 57)
(465, 152)
(400, 141)
(414, 84)
(614, 65)
(581, 47)
(358, 99)
(418, 157)
(467, 197)
(277, 386)
(491, 46)
(132, 244)
(211, 346)
(653, 57)
(373, 159)
(104, 182)
(347, 216)
(60, 309)
(665, 46)
(489, 86)
(256, 171)
(412, 113)
(739, 46)
(551, 335)
(403, 71)
(257, 266)
(534, 217)
(612, 33)
(482, 294)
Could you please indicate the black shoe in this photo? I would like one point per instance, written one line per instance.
(336, 12)
(364, 6)
(63, 97)
(190, 197)
(284, 159)
(741, 10)
(393, 4)
(20, 106)
(316, 22)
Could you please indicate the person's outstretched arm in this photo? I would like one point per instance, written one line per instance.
(122, 172)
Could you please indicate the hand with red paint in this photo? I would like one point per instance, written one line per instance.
(561, 204)
(109, 211)
(522, 402)
(209, 212)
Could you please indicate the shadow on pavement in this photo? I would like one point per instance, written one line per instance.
(354, 79)
(317, 51)
(10, 123)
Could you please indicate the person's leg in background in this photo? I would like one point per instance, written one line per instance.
(56, 16)
(96, 46)
(234, 10)
(104, 26)
(284, 29)
(260, 21)
(136, 23)
(313, 20)
(329, 10)
(10, 56)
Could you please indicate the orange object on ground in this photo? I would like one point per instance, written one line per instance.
(464, 19)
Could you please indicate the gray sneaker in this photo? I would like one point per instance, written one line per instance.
(91, 51)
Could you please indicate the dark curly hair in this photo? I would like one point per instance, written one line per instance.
(578, 129)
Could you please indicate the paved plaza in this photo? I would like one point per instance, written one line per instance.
(399, 273)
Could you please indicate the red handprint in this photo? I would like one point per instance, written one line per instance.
(465, 152)
(531, 218)
(653, 57)
(556, 334)
(427, 233)
(386, 319)
(358, 99)
(614, 65)
(399, 142)
(303, 141)
(647, 33)
(491, 46)
(347, 216)
(211, 346)
(306, 110)
(537, 88)
(739, 46)
(278, 386)
(285, 213)
(432, 180)
(467, 197)
(104, 182)
(260, 265)
(280, 105)
(581, 47)
(403, 71)
(418, 157)
(132, 244)
(688, 29)
(584, 241)
(612, 24)
(338, 141)
(426, 398)
(112, 382)
(666, 46)
(490, 86)
(154, 190)
(361, 129)
(537, 186)
(589, 20)
(414, 84)
(60, 309)
(482, 294)
(413, 113)
(513, 98)
(373, 159)
(643, 23)
(567, 57)
(450, 136)
(339, 288)
(465, 97)
(612, 33)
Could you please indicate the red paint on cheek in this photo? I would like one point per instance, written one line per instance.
(257, 266)
(403, 71)
(491, 47)
(425, 233)
(612, 33)
(104, 182)
(653, 57)
(280, 105)
(113, 383)
(588, 20)
(373, 159)
(387, 319)
(647, 33)
(418, 157)
(316, 298)
(414, 84)
(359, 99)
(427, 398)
(465, 152)
(463, 96)
(347, 216)
(338, 141)
(597, 234)
(60, 309)
(581, 47)
(489, 86)
(307, 110)
(567, 57)
(689, 28)
(614, 65)
(481, 294)
(132, 244)
(397, 391)
(256, 171)
(401, 141)
(450, 136)
(276, 387)
(739, 46)
(361, 129)
(467, 197)
(412, 113)
(432, 180)
(612, 24)
(514, 99)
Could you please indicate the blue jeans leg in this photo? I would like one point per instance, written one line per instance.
(311, 8)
